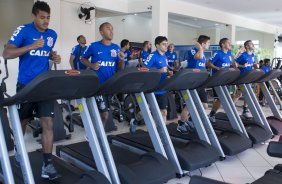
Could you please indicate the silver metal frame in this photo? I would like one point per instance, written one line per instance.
(4, 158)
(275, 94)
(151, 126)
(162, 130)
(205, 127)
(102, 138)
(232, 105)
(92, 138)
(20, 145)
(258, 107)
(269, 99)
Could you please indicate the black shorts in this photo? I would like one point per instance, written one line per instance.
(102, 103)
(162, 100)
(41, 109)
(203, 95)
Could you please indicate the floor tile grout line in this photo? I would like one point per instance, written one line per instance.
(245, 166)
(219, 172)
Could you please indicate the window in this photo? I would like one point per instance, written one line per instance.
(255, 42)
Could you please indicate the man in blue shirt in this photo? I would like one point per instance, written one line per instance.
(266, 68)
(221, 59)
(246, 61)
(144, 53)
(125, 46)
(76, 53)
(158, 60)
(196, 59)
(106, 58)
(172, 57)
(33, 44)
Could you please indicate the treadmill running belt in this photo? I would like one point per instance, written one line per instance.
(192, 155)
(231, 141)
(69, 173)
(256, 132)
(131, 167)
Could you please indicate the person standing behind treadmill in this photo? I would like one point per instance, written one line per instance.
(158, 60)
(125, 46)
(196, 59)
(221, 59)
(76, 53)
(144, 53)
(246, 61)
(33, 43)
(172, 57)
(106, 57)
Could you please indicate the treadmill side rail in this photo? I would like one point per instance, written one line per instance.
(102, 138)
(19, 141)
(206, 123)
(228, 109)
(149, 121)
(93, 140)
(232, 105)
(168, 146)
(270, 100)
(258, 107)
(4, 158)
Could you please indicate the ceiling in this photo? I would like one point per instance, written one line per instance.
(269, 11)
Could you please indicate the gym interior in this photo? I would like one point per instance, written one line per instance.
(141, 91)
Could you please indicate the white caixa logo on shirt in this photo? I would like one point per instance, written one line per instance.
(50, 41)
(113, 53)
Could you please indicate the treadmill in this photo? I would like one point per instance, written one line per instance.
(232, 139)
(132, 166)
(50, 85)
(274, 121)
(257, 128)
(201, 150)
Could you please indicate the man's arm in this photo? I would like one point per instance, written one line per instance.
(71, 61)
(12, 51)
(121, 60)
(200, 53)
(212, 66)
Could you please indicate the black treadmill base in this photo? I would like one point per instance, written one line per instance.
(132, 168)
(192, 154)
(255, 131)
(275, 125)
(69, 173)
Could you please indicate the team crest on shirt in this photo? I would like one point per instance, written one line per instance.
(113, 53)
(50, 41)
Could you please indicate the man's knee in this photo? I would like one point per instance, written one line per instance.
(164, 112)
(47, 123)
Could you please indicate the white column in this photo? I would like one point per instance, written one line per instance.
(233, 34)
(159, 18)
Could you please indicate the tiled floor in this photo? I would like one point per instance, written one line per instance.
(242, 168)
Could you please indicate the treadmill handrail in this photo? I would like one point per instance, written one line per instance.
(272, 74)
(60, 84)
(249, 77)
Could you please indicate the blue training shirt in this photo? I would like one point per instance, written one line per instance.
(77, 52)
(144, 55)
(246, 58)
(34, 62)
(127, 54)
(195, 63)
(158, 61)
(171, 57)
(221, 60)
(266, 68)
(106, 55)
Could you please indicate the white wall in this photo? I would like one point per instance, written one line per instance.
(181, 35)
(265, 40)
(138, 29)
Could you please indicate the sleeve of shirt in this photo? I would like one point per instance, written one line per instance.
(18, 36)
(74, 51)
(214, 58)
(240, 59)
(88, 52)
(175, 56)
(149, 61)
